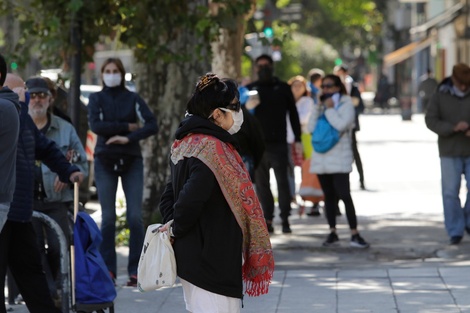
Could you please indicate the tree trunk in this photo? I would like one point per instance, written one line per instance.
(227, 51)
(167, 88)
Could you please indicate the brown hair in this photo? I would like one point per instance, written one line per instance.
(302, 80)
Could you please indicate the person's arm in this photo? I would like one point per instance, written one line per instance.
(433, 119)
(304, 107)
(97, 123)
(193, 197)
(147, 119)
(166, 203)
(343, 117)
(313, 118)
(293, 114)
(357, 99)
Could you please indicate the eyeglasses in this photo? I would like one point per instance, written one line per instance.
(327, 85)
(40, 95)
(234, 106)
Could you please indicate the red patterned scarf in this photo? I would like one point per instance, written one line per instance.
(234, 180)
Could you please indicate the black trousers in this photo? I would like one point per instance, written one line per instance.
(336, 187)
(275, 156)
(357, 157)
(19, 251)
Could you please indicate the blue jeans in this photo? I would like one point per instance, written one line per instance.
(132, 184)
(456, 218)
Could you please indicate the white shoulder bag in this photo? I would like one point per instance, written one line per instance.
(157, 264)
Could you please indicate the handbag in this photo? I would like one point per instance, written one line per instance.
(157, 264)
(324, 136)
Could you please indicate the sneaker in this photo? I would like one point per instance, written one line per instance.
(132, 282)
(331, 239)
(358, 242)
(455, 240)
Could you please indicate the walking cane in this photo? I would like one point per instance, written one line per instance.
(72, 246)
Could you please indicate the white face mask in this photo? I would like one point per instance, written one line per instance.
(237, 120)
(112, 80)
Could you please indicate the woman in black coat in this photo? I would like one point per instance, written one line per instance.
(219, 232)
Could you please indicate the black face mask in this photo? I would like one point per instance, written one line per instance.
(265, 74)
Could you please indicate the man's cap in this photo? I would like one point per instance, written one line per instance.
(461, 72)
(37, 84)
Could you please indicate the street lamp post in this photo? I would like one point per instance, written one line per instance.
(76, 62)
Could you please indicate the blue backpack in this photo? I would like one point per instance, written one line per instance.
(93, 284)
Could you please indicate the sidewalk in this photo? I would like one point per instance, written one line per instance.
(410, 268)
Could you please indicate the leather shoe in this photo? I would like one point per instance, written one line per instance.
(286, 228)
(270, 227)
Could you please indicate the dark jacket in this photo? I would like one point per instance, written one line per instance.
(250, 139)
(208, 239)
(33, 145)
(445, 110)
(110, 112)
(276, 101)
(9, 129)
(356, 93)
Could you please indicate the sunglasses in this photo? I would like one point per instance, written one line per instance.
(234, 106)
(40, 95)
(327, 85)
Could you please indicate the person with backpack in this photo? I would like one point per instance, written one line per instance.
(334, 165)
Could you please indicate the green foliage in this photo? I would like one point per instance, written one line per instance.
(354, 23)
(122, 230)
(146, 26)
(302, 53)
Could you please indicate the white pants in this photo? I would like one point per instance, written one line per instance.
(199, 300)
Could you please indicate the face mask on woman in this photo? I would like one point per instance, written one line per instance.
(237, 120)
(112, 80)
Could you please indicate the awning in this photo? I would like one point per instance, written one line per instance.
(440, 20)
(405, 52)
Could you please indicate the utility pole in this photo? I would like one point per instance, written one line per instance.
(76, 62)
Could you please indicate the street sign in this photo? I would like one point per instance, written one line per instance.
(292, 12)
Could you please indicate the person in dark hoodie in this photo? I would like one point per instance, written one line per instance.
(276, 101)
(9, 129)
(448, 115)
(18, 246)
(210, 208)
